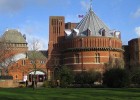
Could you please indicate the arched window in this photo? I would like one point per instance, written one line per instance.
(97, 58)
(102, 32)
(16, 77)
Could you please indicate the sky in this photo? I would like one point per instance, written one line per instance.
(31, 17)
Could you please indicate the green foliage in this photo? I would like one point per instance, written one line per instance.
(46, 84)
(6, 77)
(66, 76)
(116, 78)
(114, 63)
(135, 76)
(49, 84)
(87, 77)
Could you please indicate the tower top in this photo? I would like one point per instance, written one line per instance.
(90, 5)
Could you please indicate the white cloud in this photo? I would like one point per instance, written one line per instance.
(33, 31)
(137, 13)
(85, 5)
(41, 42)
(14, 6)
(10, 6)
(51, 3)
(137, 30)
(72, 18)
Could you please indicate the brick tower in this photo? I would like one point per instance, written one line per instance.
(56, 35)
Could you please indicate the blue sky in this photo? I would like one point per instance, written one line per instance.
(31, 17)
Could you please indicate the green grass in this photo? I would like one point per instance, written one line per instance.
(69, 94)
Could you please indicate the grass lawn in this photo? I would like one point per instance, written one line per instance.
(69, 94)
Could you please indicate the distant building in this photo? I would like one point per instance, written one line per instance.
(19, 59)
(132, 53)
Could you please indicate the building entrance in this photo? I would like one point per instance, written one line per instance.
(40, 76)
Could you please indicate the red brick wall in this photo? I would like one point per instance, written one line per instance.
(70, 25)
(17, 70)
(56, 35)
(87, 48)
(93, 42)
(134, 48)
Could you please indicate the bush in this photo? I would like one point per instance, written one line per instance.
(66, 76)
(135, 76)
(6, 77)
(87, 77)
(49, 84)
(116, 78)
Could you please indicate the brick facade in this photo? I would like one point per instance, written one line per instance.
(80, 53)
(132, 53)
(21, 65)
(19, 69)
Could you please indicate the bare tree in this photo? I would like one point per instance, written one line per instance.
(34, 58)
(6, 55)
(114, 63)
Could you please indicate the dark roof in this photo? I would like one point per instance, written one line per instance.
(13, 36)
(37, 54)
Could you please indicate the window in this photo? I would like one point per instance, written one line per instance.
(76, 58)
(42, 61)
(97, 58)
(16, 77)
(0, 72)
(102, 32)
(23, 62)
(88, 32)
(32, 61)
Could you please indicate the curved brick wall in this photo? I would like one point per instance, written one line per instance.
(87, 48)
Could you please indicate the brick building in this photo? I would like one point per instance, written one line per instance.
(82, 46)
(19, 60)
(132, 53)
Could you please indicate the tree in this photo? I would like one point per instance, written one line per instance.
(135, 76)
(34, 58)
(116, 78)
(6, 55)
(114, 63)
(87, 77)
(66, 76)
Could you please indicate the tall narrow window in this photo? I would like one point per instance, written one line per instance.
(97, 58)
(16, 77)
(23, 62)
(76, 58)
(88, 32)
(0, 72)
(42, 61)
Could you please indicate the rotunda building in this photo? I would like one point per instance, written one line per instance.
(91, 44)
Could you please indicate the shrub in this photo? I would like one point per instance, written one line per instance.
(49, 84)
(135, 76)
(66, 76)
(6, 77)
(116, 78)
(87, 77)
